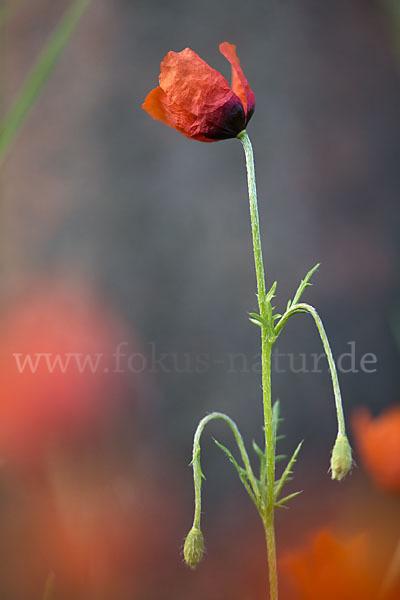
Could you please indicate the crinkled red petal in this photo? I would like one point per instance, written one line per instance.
(192, 84)
(240, 85)
(197, 100)
(158, 106)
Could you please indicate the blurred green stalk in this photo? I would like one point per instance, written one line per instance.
(43, 67)
(49, 588)
(392, 10)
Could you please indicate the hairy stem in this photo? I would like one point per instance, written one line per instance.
(267, 340)
(197, 473)
(302, 307)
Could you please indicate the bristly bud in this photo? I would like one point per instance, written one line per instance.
(193, 549)
(341, 460)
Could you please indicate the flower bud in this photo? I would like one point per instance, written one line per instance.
(194, 547)
(341, 459)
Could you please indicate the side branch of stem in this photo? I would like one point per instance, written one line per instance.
(303, 307)
(197, 473)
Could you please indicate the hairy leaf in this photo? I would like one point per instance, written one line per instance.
(257, 320)
(303, 285)
(241, 471)
(271, 292)
(287, 472)
(280, 457)
(282, 502)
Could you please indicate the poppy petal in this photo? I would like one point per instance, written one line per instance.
(191, 83)
(154, 105)
(240, 85)
(158, 106)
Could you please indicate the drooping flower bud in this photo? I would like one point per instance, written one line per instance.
(193, 549)
(341, 459)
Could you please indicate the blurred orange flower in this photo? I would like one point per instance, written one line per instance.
(378, 441)
(197, 100)
(329, 568)
(46, 400)
(95, 521)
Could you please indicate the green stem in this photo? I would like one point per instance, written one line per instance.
(267, 339)
(197, 473)
(303, 307)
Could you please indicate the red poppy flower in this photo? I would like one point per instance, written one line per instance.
(378, 442)
(197, 100)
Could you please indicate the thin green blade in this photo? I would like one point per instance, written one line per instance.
(39, 74)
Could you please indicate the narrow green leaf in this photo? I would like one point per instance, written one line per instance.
(280, 457)
(196, 456)
(287, 472)
(276, 420)
(255, 322)
(263, 462)
(281, 503)
(257, 319)
(275, 411)
(304, 284)
(277, 316)
(258, 450)
(271, 292)
(241, 471)
(40, 72)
